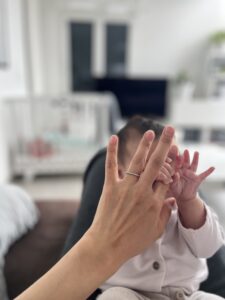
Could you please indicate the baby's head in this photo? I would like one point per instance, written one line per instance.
(130, 136)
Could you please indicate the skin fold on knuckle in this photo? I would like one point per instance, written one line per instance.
(166, 140)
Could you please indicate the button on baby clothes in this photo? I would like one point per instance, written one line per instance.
(156, 265)
(176, 259)
(179, 295)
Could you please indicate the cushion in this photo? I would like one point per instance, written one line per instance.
(35, 253)
(18, 214)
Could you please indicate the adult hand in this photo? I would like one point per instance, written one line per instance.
(133, 211)
(132, 214)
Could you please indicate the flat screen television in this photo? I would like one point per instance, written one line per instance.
(147, 97)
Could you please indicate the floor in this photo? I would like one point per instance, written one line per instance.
(53, 188)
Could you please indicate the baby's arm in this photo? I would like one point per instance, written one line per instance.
(197, 223)
(184, 188)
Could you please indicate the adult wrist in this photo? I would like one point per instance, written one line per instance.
(102, 252)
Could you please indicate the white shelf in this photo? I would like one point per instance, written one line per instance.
(58, 135)
(206, 115)
(203, 113)
(69, 163)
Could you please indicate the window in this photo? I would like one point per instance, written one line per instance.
(115, 49)
(81, 48)
(3, 34)
(116, 46)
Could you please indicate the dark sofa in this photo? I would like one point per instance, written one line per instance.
(36, 252)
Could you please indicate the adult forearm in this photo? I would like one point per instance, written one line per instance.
(192, 213)
(76, 275)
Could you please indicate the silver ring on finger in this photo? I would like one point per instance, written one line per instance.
(133, 174)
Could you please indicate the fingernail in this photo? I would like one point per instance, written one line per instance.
(150, 135)
(169, 131)
(113, 139)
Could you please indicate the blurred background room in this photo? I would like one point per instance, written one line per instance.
(73, 71)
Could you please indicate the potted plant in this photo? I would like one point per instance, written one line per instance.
(184, 86)
(216, 65)
(218, 38)
(217, 41)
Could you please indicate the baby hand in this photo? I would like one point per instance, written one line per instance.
(185, 181)
(166, 172)
(168, 169)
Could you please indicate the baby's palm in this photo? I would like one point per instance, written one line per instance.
(186, 182)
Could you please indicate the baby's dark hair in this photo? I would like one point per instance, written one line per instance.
(136, 126)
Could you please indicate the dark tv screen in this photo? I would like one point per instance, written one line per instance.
(137, 96)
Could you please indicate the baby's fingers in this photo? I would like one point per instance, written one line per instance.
(170, 202)
(186, 159)
(158, 157)
(164, 178)
(205, 174)
(173, 152)
(194, 163)
(169, 169)
(178, 162)
(168, 160)
(166, 173)
(176, 178)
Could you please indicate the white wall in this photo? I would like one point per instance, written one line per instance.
(13, 81)
(13, 78)
(4, 153)
(169, 36)
(165, 36)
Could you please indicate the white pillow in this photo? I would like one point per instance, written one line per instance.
(18, 214)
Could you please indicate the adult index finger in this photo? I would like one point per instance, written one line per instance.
(111, 164)
(158, 157)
